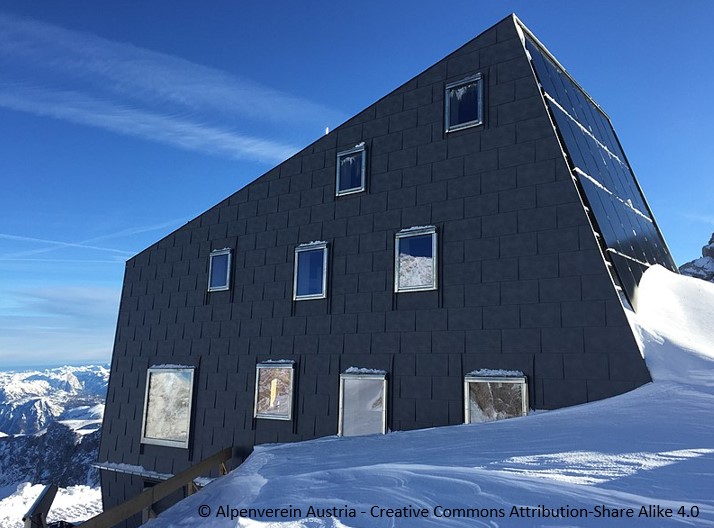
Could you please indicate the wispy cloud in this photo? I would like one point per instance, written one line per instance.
(75, 322)
(134, 91)
(51, 245)
(61, 244)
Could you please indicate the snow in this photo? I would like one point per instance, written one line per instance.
(495, 373)
(650, 448)
(2, 435)
(675, 326)
(361, 370)
(133, 469)
(73, 504)
(417, 228)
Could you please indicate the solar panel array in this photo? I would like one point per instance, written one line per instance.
(631, 238)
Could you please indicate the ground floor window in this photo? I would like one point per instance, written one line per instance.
(167, 405)
(274, 390)
(494, 395)
(363, 402)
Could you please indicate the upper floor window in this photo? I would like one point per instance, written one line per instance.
(167, 405)
(219, 270)
(415, 262)
(351, 169)
(310, 280)
(464, 103)
(494, 395)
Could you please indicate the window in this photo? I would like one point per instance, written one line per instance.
(219, 270)
(274, 390)
(167, 405)
(351, 167)
(415, 259)
(494, 395)
(464, 103)
(310, 281)
(363, 402)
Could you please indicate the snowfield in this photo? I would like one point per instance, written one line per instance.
(73, 504)
(645, 458)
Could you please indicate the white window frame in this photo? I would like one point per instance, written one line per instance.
(469, 379)
(358, 148)
(163, 441)
(362, 376)
(413, 232)
(478, 79)
(284, 365)
(312, 246)
(218, 253)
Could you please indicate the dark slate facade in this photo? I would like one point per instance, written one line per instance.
(524, 283)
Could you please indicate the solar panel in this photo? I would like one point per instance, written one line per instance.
(632, 240)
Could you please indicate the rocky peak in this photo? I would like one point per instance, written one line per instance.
(701, 268)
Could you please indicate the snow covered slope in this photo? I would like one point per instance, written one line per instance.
(53, 418)
(645, 458)
(76, 503)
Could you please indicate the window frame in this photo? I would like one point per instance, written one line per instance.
(290, 365)
(522, 380)
(311, 246)
(361, 376)
(183, 444)
(478, 79)
(413, 232)
(211, 256)
(357, 148)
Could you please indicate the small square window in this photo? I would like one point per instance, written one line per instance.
(351, 168)
(274, 390)
(494, 395)
(219, 270)
(310, 280)
(363, 402)
(464, 103)
(167, 406)
(415, 261)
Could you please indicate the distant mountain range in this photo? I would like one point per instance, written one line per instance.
(50, 423)
(701, 268)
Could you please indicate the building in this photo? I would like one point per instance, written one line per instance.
(477, 231)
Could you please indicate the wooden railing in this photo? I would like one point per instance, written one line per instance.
(36, 516)
(144, 502)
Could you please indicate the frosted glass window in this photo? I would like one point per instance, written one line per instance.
(167, 406)
(494, 398)
(310, 281)
(363, 404)
(415, 259)
(351, 169)
(274, 391)
(464, 103)
(219, 269)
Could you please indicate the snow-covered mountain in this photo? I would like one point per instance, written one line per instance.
(50, 423)
(701, 268)
(59, 455)
(30, 401)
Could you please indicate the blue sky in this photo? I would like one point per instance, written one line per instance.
(121, 123)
